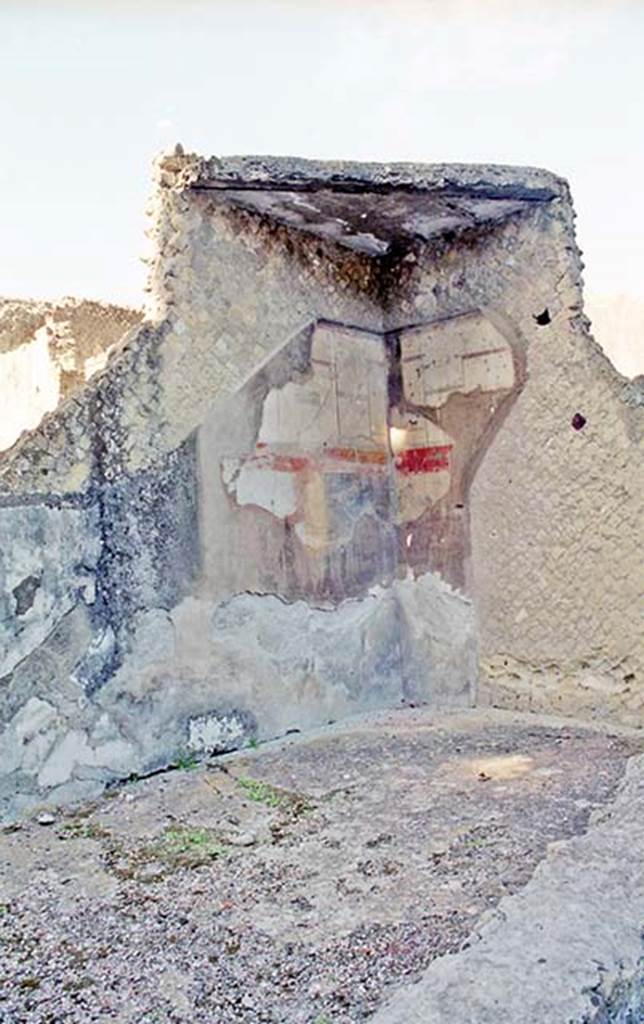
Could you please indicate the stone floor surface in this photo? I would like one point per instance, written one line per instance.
(302, 882)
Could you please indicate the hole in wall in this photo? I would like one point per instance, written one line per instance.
(578, 421)
(543, 318)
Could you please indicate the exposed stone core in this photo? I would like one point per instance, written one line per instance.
(341, 466)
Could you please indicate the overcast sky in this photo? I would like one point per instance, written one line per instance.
(91, 91)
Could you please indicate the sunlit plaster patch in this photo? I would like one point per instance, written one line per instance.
(257, 482)
(510, 766)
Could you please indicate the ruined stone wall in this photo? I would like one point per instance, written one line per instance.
(48, 351)
(557, 499)
(566, 537)
(279, 503)
(120, 654)
(558, 558)
(238, 292)
(86, 545)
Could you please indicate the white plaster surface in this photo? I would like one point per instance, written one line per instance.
(457, 355)
(211, 732)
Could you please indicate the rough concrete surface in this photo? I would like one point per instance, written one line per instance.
(477, 867)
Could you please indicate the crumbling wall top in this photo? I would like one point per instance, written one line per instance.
(93, 326)
(492, 181)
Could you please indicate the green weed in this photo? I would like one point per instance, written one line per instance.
(80, 829)
(187, 762)
(188, 845)
(260, 792)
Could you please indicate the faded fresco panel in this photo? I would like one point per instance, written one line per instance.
(321, 469)
(455, 379)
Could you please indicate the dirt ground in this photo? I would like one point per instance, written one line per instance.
(295, 883)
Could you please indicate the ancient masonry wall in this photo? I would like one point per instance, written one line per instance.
(280, 502)
(49, 350)
(558, 559)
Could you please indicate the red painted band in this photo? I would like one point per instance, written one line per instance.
(424, 460)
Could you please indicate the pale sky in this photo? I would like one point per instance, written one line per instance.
(91, 91)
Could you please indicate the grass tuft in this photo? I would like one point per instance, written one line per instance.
(260, 792)
(188, 845)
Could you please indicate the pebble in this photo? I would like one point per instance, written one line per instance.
(150, 872)
(241, 839)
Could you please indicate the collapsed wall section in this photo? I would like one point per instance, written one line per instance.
(48, 351)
